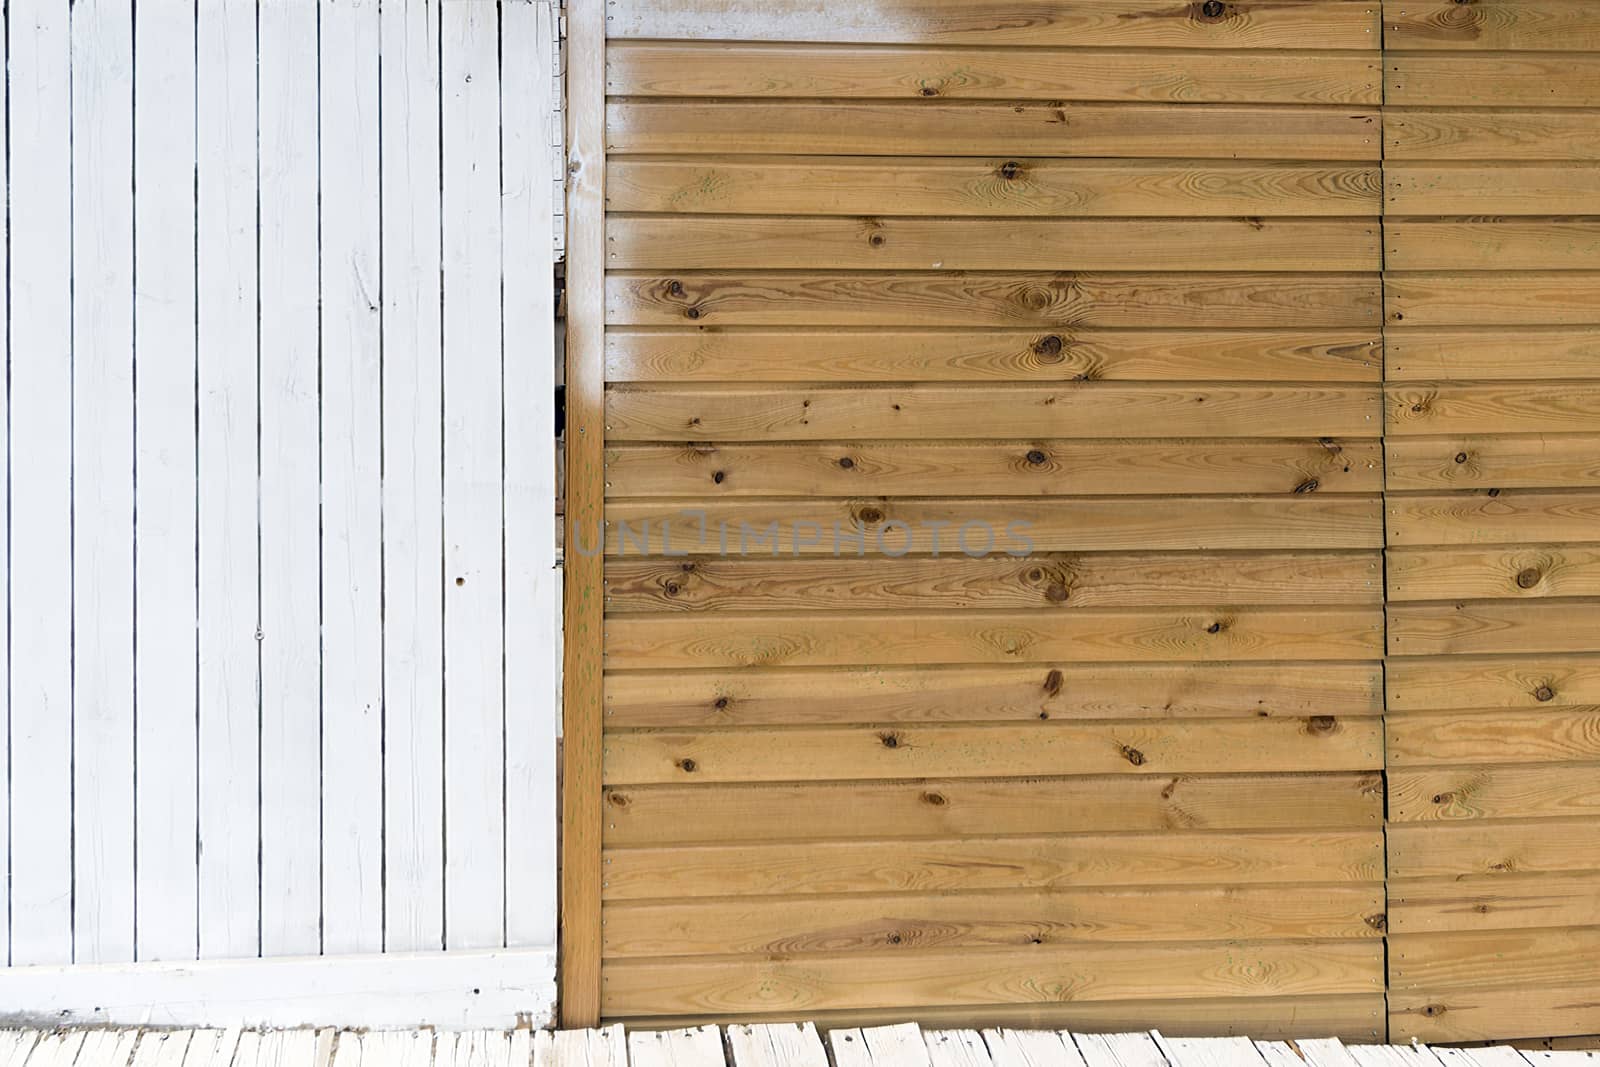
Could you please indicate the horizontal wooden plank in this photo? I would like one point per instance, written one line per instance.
(1049, 128)
(1508, 188)
(1530, 571)
(678, 242)
(835, 753)
(1014, 526)
(1495, 903)
(1542, 735)
(1535, 461)
(1492, 244)
(1351, 1017)
(1493, 298)
(992, 694)
(1482, 353)
(1494, 626)
(1542, 681)
(757, 354)
(1460, 80)
(828, 639)
(984, 976)
(1489, 134)
(1186, 857)
(1103, 23)
(1027, 411)
(1007, 299)
(997, 468)
(1511, 25)
(1010, 185)
(1497, 408)
(890, 923)
(1477, 792)
(957, 582)
(1492, 517)
(1492, 847)
(960, 807)
(1492, 1014)
(1490, 959)
(776, 71)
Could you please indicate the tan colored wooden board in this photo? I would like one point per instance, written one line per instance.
(1491, 959)
(1492, 189)
(1498, 408)
(1508, 736)
(1530, 25)
(1531, 135)
(1499, 792)
(1493, 298)
(1492, 903)
(1524, 461)
(1492, 353)
(1492, 244)
(1494, 626)
(1493, 1014)
(1492, 517)
(1526, 682)
(1010, 183)
(1006, 804)
(1000, 694)
(1458, 80)
(1528, 571)
(1491, 847)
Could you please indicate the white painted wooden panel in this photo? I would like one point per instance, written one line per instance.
(229, 724)
(41, 484)
(102, 484)
(5, 527)
(165, 701)
(283, 606)
(474, 641)
(291, 584)
(413, 480)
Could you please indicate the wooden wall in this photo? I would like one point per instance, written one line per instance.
(1107, 269)
(1492, 177)
(279, 673)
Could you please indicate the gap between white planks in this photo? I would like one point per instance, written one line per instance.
(775, 1045)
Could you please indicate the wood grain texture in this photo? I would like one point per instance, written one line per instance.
(1520, 25)
(1490, 903)
(1532, 461)
(1059, 299)
(1482, 353)
(1494, 626)
(1456, 80)
(842, 639)
(1498, 792)
(1502, 848)
(1012, 526)
(758, 354)
(778, 71)
(991, 694)
(1500, 408)
(1030, 411)
(1179, 858)
(1074, 130)
(1545, 735)
(1527, 682)
(1523, 136)
(1080, 972)
(1492, 189)
(1493, 244)
(672, 242)
(1021, 920)
(1010, 183)
(1494, 959)
(1527, 572)
(1002, 805)
(1493, 298)
(1440, 1016)
(1491, 517)
(1105, 23)
(1049, 582)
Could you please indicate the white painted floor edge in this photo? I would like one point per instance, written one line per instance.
(488, 990)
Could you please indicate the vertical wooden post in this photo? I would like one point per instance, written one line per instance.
(581, 707)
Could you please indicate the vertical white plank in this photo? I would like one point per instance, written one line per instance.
(40, 480)
(165, 527)
(532, 595)
(413, 547)
(5, 526)
(473, 449)
(229, 714)
(102, 479)
(291, 687)
(352, 711)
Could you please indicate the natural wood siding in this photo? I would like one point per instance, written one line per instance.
(1492, 245)
(1109, 270)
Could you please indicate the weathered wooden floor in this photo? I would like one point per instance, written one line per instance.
(781, 1045)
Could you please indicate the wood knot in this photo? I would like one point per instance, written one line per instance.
(1377, 920)
(1035, 575)
(721, 703)
(846, 462)
(894, 939)
(936, 799)
(1133, 755)
(1434, 1010)
(1057, 593)
(1544, 693)
(928, 90)
(687, 568)
(687, 765)
(1213, 10)
(1528, 577)
(871, 515)
(1321, 724)
(877, 240)
(1214, 628)
(1036, 456)
(718, 476)
(890, 739)
(675, 288)
(1052, 683)
(1010, 170)
(1443, 798)
(1461, 457)
(617, 800)
(670, 588)
(691, 313)
(1048, 345)
(1310, 485)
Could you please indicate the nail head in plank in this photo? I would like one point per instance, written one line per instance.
(849, 1048)
(956, 1048)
